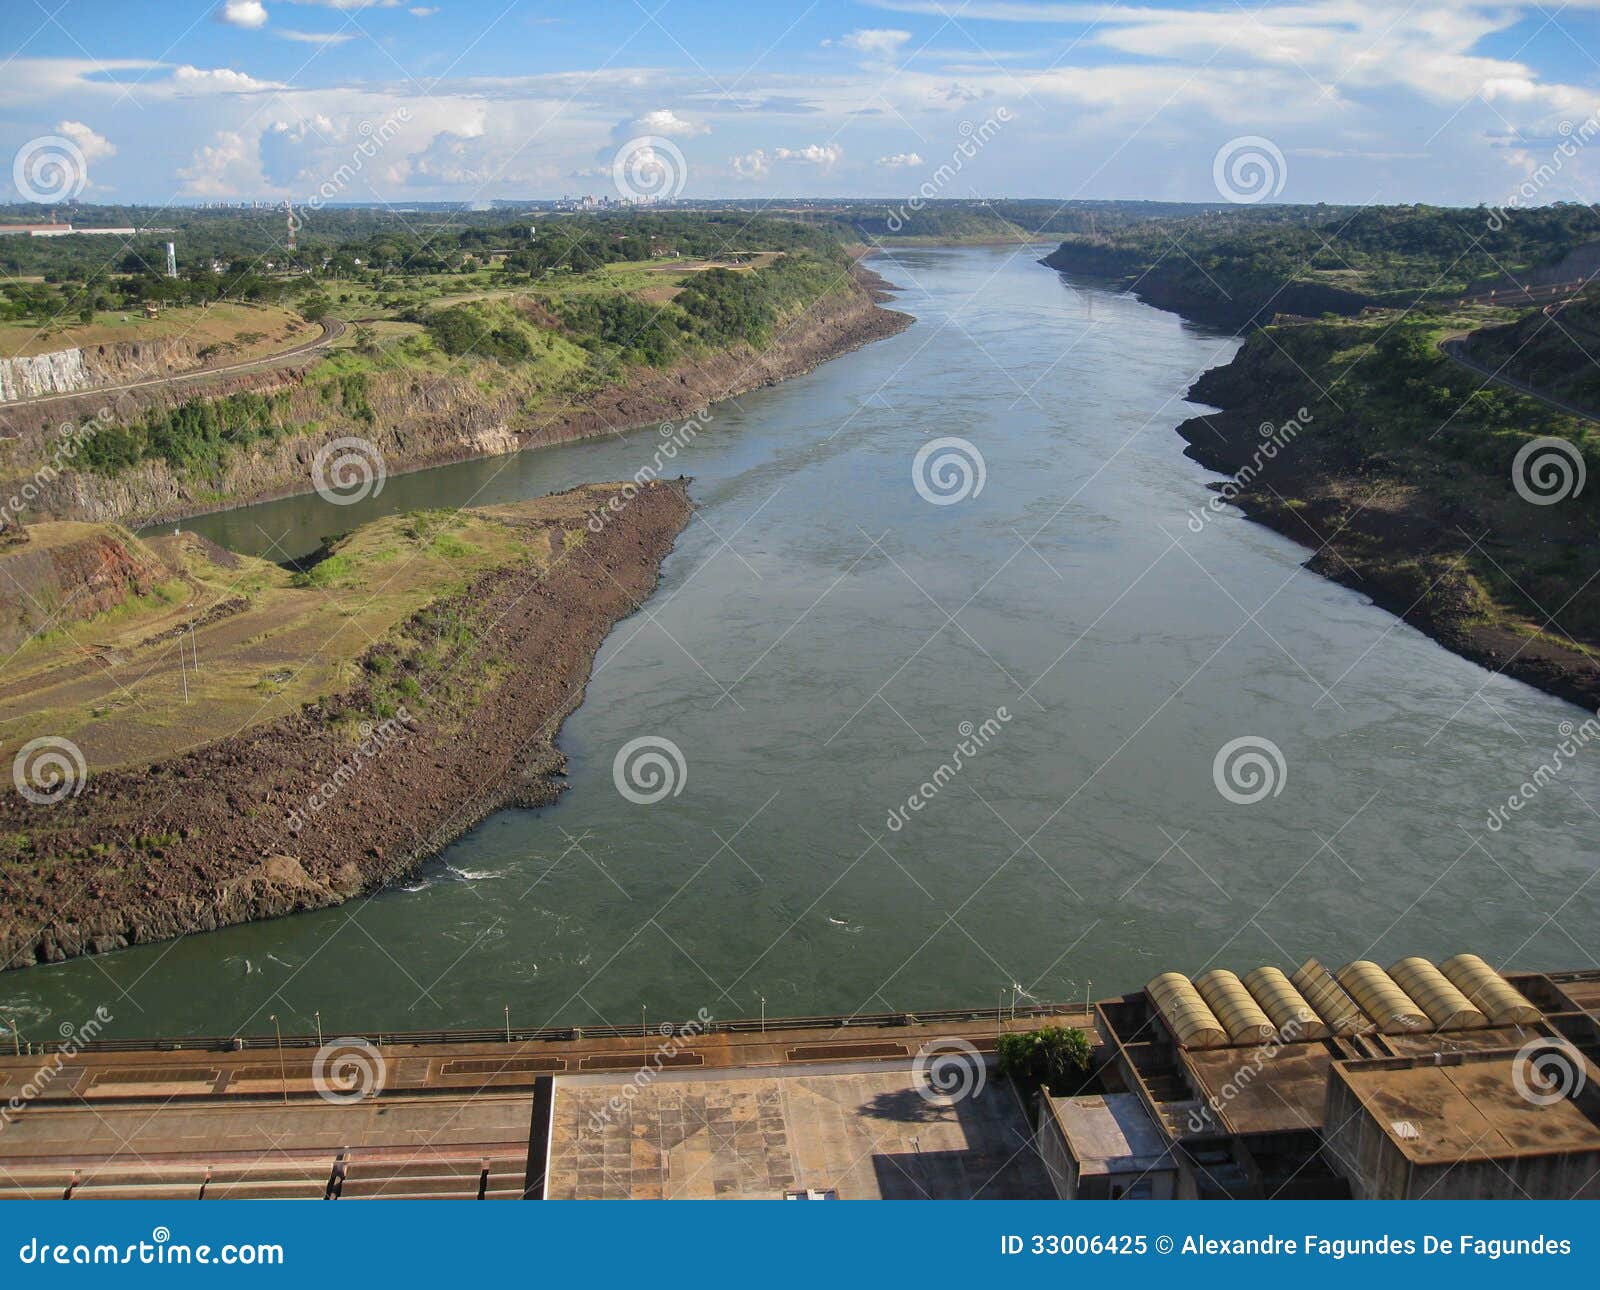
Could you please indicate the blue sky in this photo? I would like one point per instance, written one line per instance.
(1364, 100)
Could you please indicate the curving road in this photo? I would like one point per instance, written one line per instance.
(332, 329)
(1450, 346)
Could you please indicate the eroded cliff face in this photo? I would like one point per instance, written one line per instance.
(417, 420)
(69, 371)
(44, 586)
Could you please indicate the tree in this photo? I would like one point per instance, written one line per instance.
(1054, 1058)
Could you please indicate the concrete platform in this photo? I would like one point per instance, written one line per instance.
(862, 1131)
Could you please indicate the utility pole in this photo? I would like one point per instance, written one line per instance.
(283, 1074)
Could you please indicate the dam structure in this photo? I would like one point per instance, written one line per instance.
(1447, 1080)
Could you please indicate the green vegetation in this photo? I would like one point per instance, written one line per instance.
(1055, 1058)
(1557, 352)
(1425, 450)
(535, 320)
(1237, 264)
(197, 435)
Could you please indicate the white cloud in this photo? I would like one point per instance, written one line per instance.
(754, 165)
(243, 13)
(875, 42)
(822, 155)
(219, 80)
(93, 146)
(345, 5)
(666, 121)
(316, 37)
(900, 160)
(229, 166)
(422, 11)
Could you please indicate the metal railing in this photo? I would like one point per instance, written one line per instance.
(567, 1034)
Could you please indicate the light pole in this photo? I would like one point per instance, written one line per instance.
(508, 1023)
(318, 1016)
(763, 1014)
(283, 1074)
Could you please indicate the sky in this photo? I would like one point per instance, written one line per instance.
(1348, 101)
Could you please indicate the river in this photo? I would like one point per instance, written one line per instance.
(821, 638)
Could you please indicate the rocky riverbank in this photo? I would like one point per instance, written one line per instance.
(1397, 538)
(416, 420)
(1230, 307)
(453, 718)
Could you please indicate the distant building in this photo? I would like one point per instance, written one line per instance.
(61, 230)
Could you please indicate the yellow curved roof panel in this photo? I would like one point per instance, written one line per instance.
(1192, 1023)
(1394, 1011)
(1489, 992)
(1447, 1007)
(1235, 1007)
(1285, 1006)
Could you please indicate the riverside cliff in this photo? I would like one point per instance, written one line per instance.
(414, 419)
(1402, 480)
(449, 717)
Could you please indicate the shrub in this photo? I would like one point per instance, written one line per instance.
(1054, 1058)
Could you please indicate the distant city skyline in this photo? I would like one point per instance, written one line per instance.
(1344, 101)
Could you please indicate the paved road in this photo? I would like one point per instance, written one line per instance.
(1530, 295)
(1451, 346)
(332, 329)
